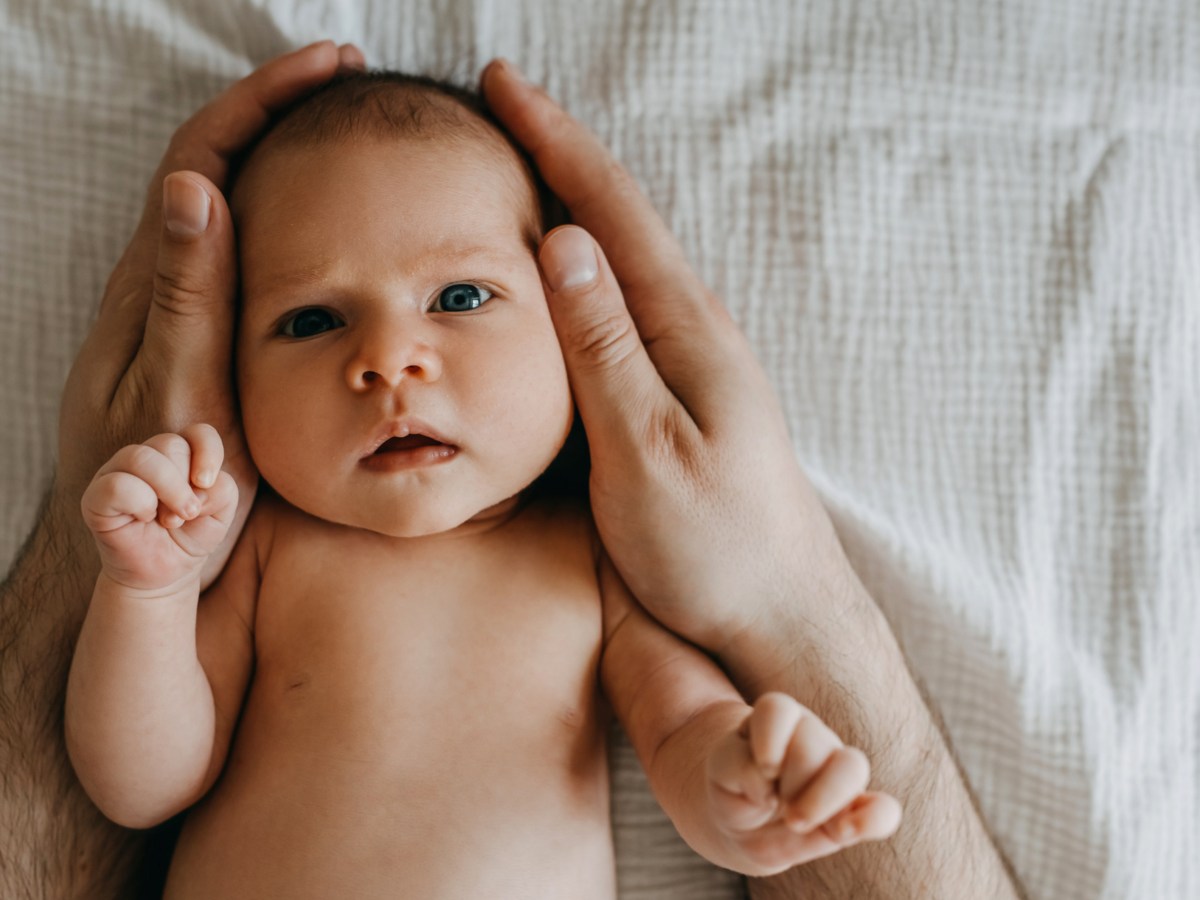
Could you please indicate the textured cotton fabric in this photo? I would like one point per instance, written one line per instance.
(961, 237)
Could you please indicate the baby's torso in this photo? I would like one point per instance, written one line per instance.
(418, 724)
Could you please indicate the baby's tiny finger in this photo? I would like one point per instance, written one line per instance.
(771, 726)
(735, 813)
(812, 743)
(114, 494)
(164, 475)
(872, 816)
(208, 452)
(178, 449)
(840, 780)
(732, 768)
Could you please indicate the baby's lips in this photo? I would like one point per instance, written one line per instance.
(403, 427)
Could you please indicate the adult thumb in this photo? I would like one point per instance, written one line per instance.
(616, 386)
(189, 328)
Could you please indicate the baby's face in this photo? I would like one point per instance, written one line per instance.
(383, 280)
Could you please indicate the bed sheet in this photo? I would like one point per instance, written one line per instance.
(961, 237)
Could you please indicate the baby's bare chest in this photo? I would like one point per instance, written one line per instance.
(496, 639)
(430, 720)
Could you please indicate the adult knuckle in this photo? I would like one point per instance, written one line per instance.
(675, 441)
(607, 340)
(175, 289)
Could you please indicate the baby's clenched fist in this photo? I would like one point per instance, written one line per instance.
(785, 789)
(159, 508)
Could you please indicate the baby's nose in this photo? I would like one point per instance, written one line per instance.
(393, 361)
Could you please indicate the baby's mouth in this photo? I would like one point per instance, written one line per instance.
(410, 442)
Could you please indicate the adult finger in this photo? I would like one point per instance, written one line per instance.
(221, 128)
(601, 195)
(617, 388)
(680, 321)
(205, 144)
(189, 327)
(208, 141)
(350, 58)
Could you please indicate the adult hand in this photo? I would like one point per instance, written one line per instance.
(158, 356)
(705, 513)
(695, 487)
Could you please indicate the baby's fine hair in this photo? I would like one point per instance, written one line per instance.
(385, 103)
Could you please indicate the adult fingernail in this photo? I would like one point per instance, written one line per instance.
(350, 58)
(568, 258)
(509, 69)
(185, 206)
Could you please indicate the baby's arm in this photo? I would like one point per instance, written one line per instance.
(754, 789)
(159, 672)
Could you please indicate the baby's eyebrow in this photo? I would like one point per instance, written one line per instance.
(449, 252)
(438, 257)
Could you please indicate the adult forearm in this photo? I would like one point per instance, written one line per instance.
(844, 663)
(56, 843)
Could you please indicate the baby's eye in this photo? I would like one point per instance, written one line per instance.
(307, 322)
(461, 297)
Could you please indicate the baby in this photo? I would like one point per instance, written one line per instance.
(400, 683)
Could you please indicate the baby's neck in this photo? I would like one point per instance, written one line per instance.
(496, 516)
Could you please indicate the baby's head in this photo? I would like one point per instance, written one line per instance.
(386, 232)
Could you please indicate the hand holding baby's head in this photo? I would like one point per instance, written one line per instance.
(389, 289)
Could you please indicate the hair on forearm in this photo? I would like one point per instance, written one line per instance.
(54, 843)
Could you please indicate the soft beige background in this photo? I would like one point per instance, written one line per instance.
(961, 237)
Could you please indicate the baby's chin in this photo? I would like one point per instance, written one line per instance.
(429, 517)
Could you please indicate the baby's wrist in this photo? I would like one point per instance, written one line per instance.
(186, 585)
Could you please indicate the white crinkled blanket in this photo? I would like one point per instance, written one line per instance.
(962, 237)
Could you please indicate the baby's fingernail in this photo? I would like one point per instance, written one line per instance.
(842, 831)
(800, 826)
(193, 507)
(206, 478)
(172, 521)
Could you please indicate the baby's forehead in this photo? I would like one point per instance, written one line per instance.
(441, 125)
